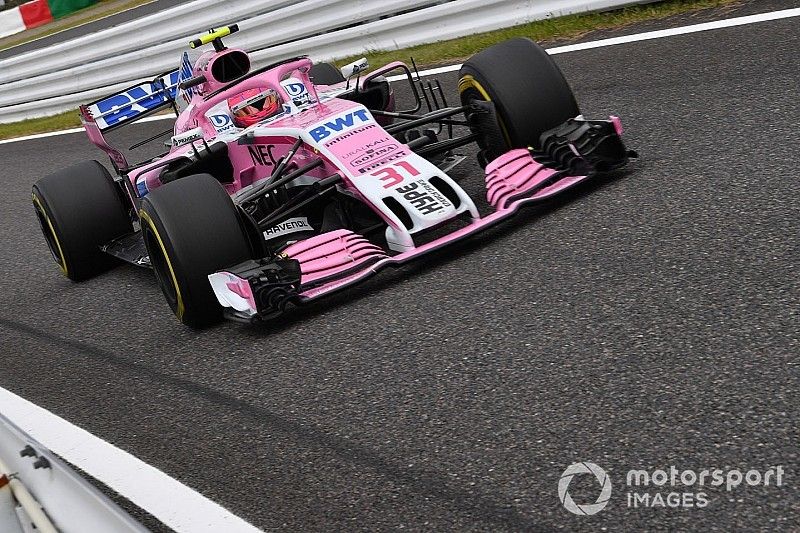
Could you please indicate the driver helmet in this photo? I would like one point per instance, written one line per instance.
(254, 105)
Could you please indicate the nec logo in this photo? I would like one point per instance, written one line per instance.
(339, 124)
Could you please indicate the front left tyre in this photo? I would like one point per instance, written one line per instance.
(80, 209)
(192, 229)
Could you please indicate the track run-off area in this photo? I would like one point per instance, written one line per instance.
(647, 321)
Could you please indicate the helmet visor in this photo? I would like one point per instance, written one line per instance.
(258, 105)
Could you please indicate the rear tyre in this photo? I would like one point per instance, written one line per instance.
(525, 86)
(80, 208)
(192, 229)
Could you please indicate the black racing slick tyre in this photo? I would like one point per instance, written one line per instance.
(192, 229)
(528, 92)
(80, 209)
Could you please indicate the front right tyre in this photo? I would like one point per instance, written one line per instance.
(526, 89)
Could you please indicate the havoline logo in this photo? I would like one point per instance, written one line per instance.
(291, 225)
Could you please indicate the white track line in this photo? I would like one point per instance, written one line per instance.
(167, 499)
(76, 130)
(646, 36)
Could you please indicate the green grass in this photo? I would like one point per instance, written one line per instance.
(569, 27)
(62, 121)
(445, 52)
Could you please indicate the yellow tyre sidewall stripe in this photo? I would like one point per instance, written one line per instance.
(150, 224)
(40, 207)
(467, 81)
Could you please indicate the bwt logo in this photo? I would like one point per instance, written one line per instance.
(297, 91)
(339, 124)
(136, 100)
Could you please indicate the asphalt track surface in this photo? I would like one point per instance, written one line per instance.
(648, 321)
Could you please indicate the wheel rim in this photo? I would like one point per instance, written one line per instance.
(471, 89)
(50, 237)
(161, 267)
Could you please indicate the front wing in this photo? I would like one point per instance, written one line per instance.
(315, 267)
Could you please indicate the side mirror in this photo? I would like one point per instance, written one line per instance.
(354, 68)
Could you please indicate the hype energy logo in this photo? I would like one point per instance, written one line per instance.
(668, 487)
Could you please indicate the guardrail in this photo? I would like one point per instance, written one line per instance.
(49, 492)
(58, 78)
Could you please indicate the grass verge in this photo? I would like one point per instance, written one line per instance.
(568, 27)
(62, 121)
(445, 52)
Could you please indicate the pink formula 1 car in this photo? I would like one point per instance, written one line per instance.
(286, 183)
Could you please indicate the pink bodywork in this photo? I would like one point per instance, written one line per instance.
(505, 173)
(246, 170)
(336, 259)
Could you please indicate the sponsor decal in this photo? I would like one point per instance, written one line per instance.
(187, 137)
(184, 96)
(365, 148)
(221, 123)
(219, 118)
(134, 101)
(261, 155)
(423, 196)
(427, 201)
(349, 134)
(340, 124)
(292, 225)
(356, 67)
(297, 91)
(140, 99)
(373, 154)
(382, 161)
(141, 187)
